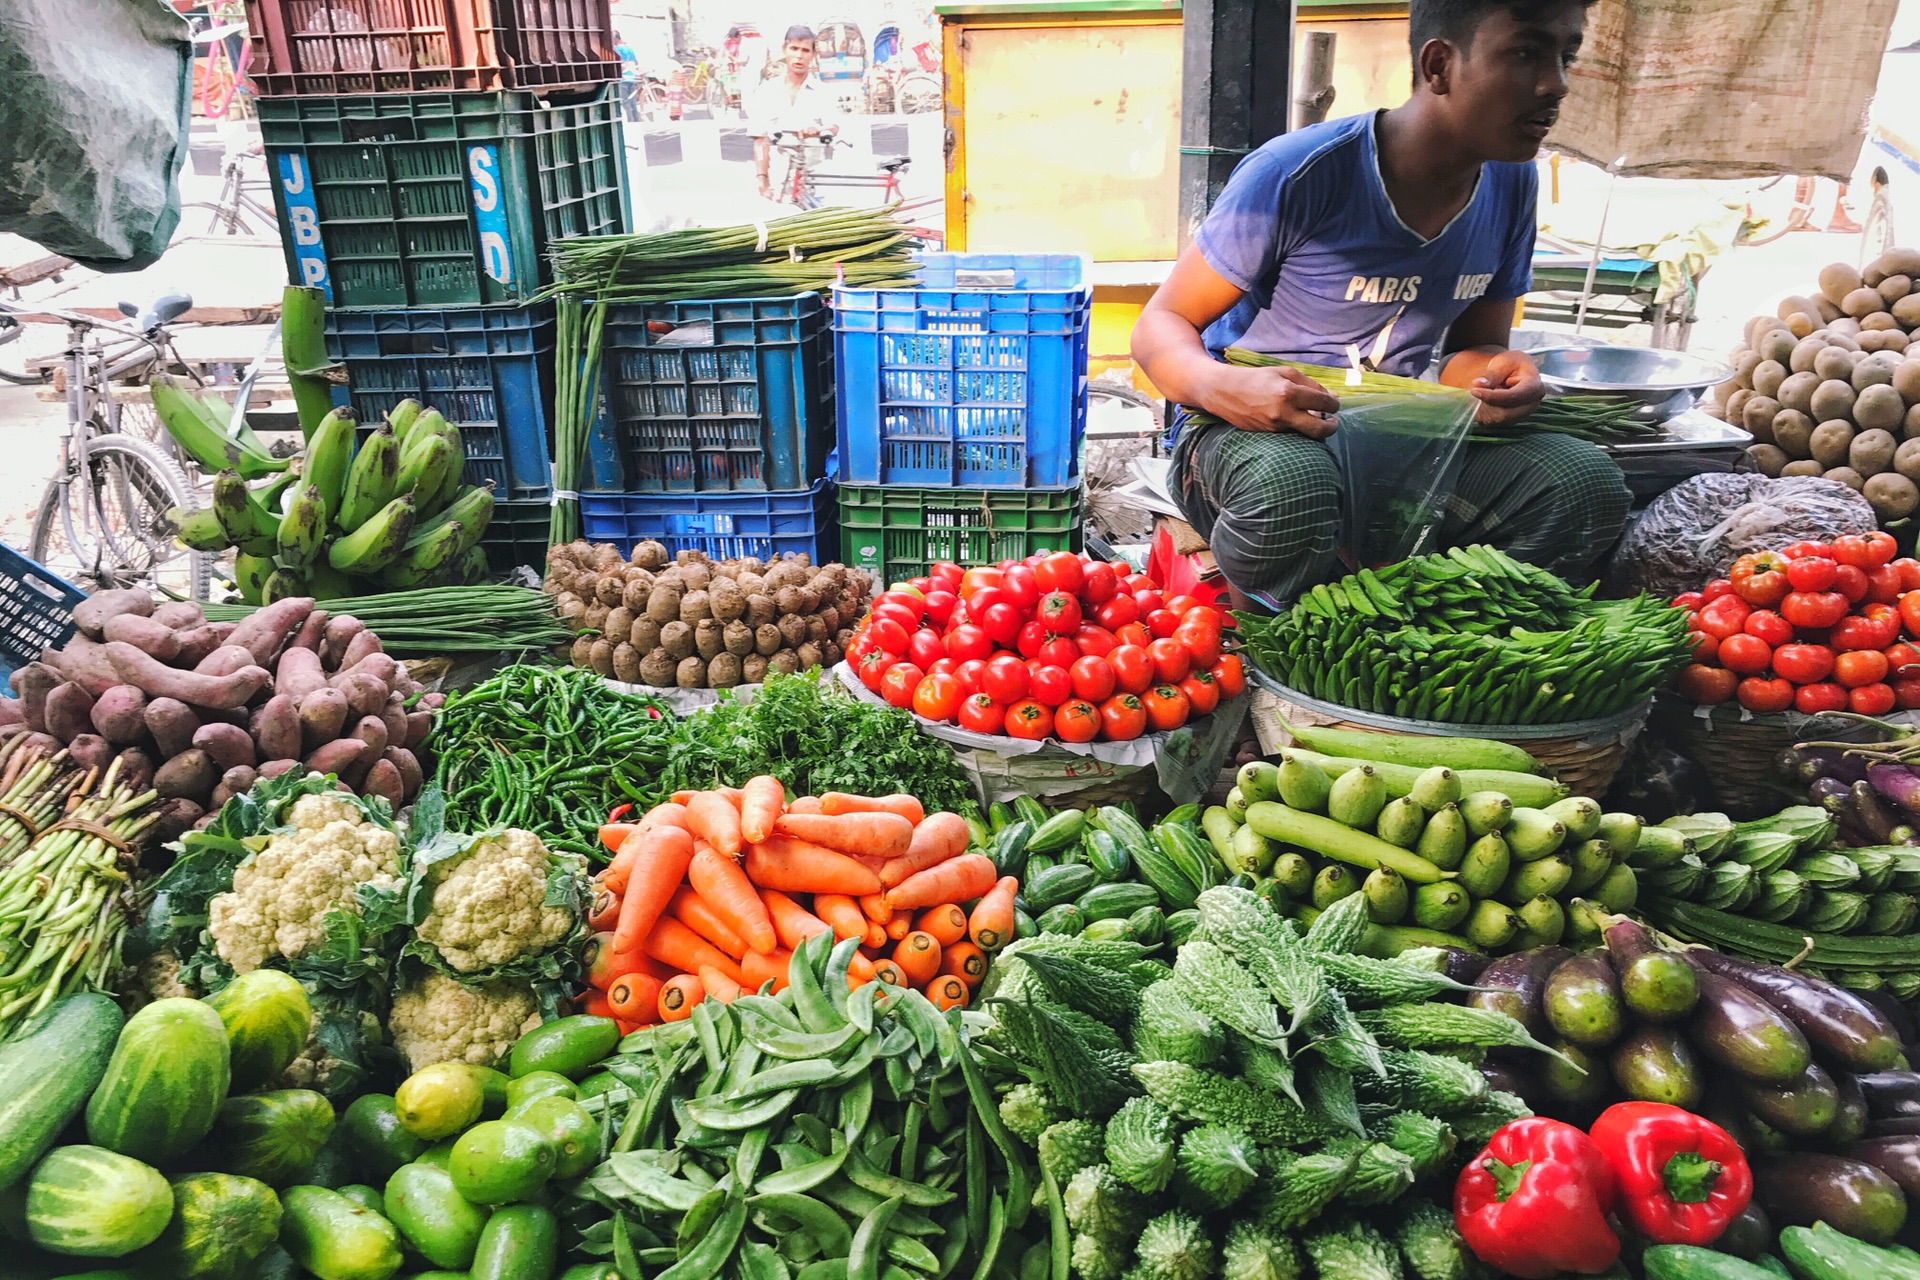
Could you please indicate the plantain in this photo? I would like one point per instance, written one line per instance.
(373, 546)
(221, 414)
(371, 479)
(424, 468)
(401, 417)
(470, 566)
(303, 528)
(423, 556)
(245, 522)
(423, 423)
(324, 582)
(281, 584)
(190, 422)
(199, 529)
(250, 574)
(329, 455)
(473, 508)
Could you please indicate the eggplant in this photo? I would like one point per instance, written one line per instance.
(1577, 1076)
(1891, 1093)
(1748, 1235)
(1515, 984)
(1893, 1127)
(1803, 1109)
(1850, 1119)
(1655, 1064)
(1800, 1188)
(1830, 794)
(1897, 784)
(1840, 1026)
(1743, 1033)
(1462, 965)
(1897, 1157)
(1831, 762)
(1894, 1012)
(1870, 812)
(1582, 1002)
(1655, 984)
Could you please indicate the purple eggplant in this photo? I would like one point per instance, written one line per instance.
(1897, 783)
(1870, 812)
(1842, 1027)
(1831, 762)
(1829, 793)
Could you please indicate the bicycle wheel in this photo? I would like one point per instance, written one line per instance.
(918, 94)
(226, 218)
(120, 537)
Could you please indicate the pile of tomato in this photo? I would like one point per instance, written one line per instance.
(1813, 627)
(1057, 645)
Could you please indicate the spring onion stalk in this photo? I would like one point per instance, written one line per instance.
(478, 619)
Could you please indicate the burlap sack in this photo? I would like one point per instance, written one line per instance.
(1725, 88)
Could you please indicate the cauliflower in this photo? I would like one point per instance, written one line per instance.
(155, 978)
(489, 904)
(438, 1020)
(282, 894)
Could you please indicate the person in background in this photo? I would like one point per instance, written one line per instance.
(1405, 233)
(791, 101)
(629, 80)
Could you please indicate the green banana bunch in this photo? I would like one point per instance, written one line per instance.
(473, 508)
(329, 455)
(222, 415)
(414, 422)
(247, 524)
(425, 468)
(371, 479)
(250, 574)
(424, 556)
(199, 529)
(376, 543)
(303, 528)
(201, 433)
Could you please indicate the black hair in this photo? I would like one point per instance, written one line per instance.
(1455, 21)
(798, 35)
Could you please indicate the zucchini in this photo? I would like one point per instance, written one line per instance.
(1176, 890)
(1059, 832)
(1063, 883)
(48, 1069)
(1010, 847)
(1065, 918)
(1115, 901)
(1107, 857)
(1027, 809)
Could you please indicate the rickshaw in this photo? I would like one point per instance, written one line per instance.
(743, 62)
(840, 61)
(901, 79)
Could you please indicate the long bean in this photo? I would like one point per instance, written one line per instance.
(478, 619)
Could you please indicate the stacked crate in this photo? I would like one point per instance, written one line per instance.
(424, 154)
(962, 405)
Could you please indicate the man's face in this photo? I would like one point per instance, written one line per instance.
(1504, 89)
(798, 57)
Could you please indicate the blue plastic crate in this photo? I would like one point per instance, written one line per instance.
(730, 396)
(724, 526)
(978, 378)
(36, 610)
(517, 535)
(488, 370)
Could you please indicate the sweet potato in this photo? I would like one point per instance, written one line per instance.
(299, 673)
(365, 693)
(371, 730)
(233, 782)
(227, 744)
(201, 641)
(265, 630)
(274, 768)
(311, 632)
(39, 744)
(225, 660)
(334, 757)
(418, 723)
(190, 774)
(181, 615)
(177, 817)
(411, 776)
(90, 751)
(275, 727)
(172, 724)
(120, 715)
(69, 712)
(433, 701)
(91, 614)
(322, 715)
(157, 638)
(394, 716)
(340, 633)
(136, 768)
(137, 667)
(84, 662)
(384, 780)
(363, 645)
(378, 665)
(35, 681)
(11, 712)
(224, 715)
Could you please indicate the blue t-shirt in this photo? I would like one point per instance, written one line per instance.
(1304, 226)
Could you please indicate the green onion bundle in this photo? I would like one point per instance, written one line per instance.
(434, 620)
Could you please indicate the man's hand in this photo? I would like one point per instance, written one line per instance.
(1508, 389)
(1271, 399)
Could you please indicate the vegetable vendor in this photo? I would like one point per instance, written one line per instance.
(1405, 233)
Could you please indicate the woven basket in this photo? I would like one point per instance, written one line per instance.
(1584, 754)
(1736, 749)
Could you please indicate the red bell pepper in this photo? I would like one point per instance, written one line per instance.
(1682, 1178)
(1534, 1203)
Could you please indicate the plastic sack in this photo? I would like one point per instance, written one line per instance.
(1398, 457)
(1696, 530)
(95, 94)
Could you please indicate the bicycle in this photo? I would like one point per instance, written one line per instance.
(235, 206)
(801, 155)
(102, 521)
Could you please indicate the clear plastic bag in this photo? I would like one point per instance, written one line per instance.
(1398, 455)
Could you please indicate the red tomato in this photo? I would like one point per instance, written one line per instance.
(1149, 600)
(912, 601)
(1717, 588)
(1059, 611)
(974, 579)
(1117, 612)
(1050, 686)
(1881, 548)
(1032, 636)
(1745, 654)
(1856, 631)
(873, 667)
(1061, 571)
(1136, 582)
(1724, 617)
(985, 598)
(1769, 626)
(1756, 694)
(1123, 717)
(1884, 584)
(1059, 651)
(1230, 674)
(937, 697)
(943, 667)
(861, 645)
(1202, 690)
(1002, 623)
(972, 675)
(1797, 550)
(1163, 623)
(1822, 695)
(1851, 549)
(1811, 573)
(1178, 605)
(1871, 699)
(1092, 679)
(898, 684)
(1705, 647)
(1028, 719)
(1132, 668)
(1006, 679)
(1171, 660)
(1077, 720)
(1021, 587)
(1814, 610)
(1906, 692)
(948, 572)
(921, 585)
(1860, 667)
(966, 643)
(1851, 581)
(1910, 612)
(1803, 663)
(1903, 658)
(940, 605)
(1886, 618)
(1199, 640)
(1097, 641)
(1909, 573)
(924, 648)
(1136, 633)
(1167, 707)
(1708, 686)
(1098, 585)
(1689, 600)
(981, 714)
(890, 635)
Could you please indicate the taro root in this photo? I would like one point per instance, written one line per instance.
(737, 638)
(707, 638)
(649, 554)
(767, 640)
(753, 668)
(724, 671)
(657, 669)
(677, 639)
(691, 673)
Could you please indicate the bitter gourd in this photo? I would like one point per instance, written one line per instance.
(1027, 1109)
(1140, 1144)
(1428, 1142)
(1170, 1029)
(1429, 1241)
(1254, 934)
(1068, 1146)
(1300, 1187)
(1216, 984)
(1097, 992)
(1348, 1249)
(1211, 1098)
(1380, 1176)
(1099, 1204)
(1255, 1253)
(1174, 1246)
(1429, 1082)
(1218, 1163)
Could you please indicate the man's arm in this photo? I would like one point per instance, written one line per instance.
(1505, 382)
(1167, 344)
(763, 163)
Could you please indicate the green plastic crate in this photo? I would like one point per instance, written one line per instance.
(896, 531)
(440, 199)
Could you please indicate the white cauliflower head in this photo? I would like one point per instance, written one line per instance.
(438, 1020)
(282, 894)
(489, 904)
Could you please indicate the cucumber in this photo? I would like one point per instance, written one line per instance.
(1059, 884)
(1177, 890)
(999, 815)
(1116, 901)
(94, 1203)
(1188, 850)
(1059, 832)
(47, 1071)
(1065, 918)
(164, 1084)
(1009, 848)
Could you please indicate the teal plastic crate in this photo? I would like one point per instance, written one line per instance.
(896, 531)
(36, 610)
(724, 525)
(440, 199)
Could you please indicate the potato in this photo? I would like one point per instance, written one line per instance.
(695, 605)
(1830, 442)
(156, 637)
(601, 658)
(761, 610)
(1872, 451)
(1906, 380)
(69, 712)
(1776, 347)
(229, 745)
(1802, 467)
(1832, 399)
(663, 605)
(1872, 341)
(1792, 432)
(609, 590)
(1897, 261)
(1804, 351)
(1828, 311)
(706, 638)
(1757, 325)
(1910, 425)
(1802, 323)
(626, 663)
(1906, 459)
(767, 639)
(1879, 322)
(808, 655)
(1837, 280)
(726, 600)
(753, 669)
(1879, 407)
(793, 629)
(736, 637)
(1846, 327)
(657, 667)
(172, 724)
(644, 634)
(1907, 310)
(581, 654)
(190, 775)
(1862, 303)
(1768, 458)
(1735, 408)
(1833, 364)
(91, 614)
(274, 726)
(1893, 495)
(677, 639)
(1757, 416)
(649, 554)
(785, 661)
(1874, 369)
(1795, 305)
(1846, 476)
(1895, 341)
(1796, 391)
(691, 673)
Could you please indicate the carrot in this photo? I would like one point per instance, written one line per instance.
(659, 864)
(843, 913)
(758, 970)
(941, 836)
(874, 907)
(964, 961)
(693, 911)
(960, 879)
(876, 936)
(668, 813)
(604, 963)
(918, 956)
(791, 921)
(795, 866)
(641, 962)
(947, 992)
(679, 946)
(859, 971)
(946, 922)
(614, 834)
(595, 1003)
(991, 925)
(761, 802)
(681, 797)
(679, 995)
(875, 835)
(727, 892)
(604, 911)
(835, 803)
(635, 997)
(712, 817)
(805, 804)
(889, 972)
(900, 926)
(718, 985)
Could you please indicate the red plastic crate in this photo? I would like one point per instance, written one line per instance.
(415, 46)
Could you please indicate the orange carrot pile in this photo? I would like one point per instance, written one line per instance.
(709, 894)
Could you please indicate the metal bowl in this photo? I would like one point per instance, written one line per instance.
(1661, 383)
